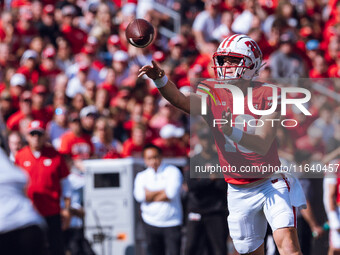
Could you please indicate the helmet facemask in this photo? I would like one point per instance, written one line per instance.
(224, 61)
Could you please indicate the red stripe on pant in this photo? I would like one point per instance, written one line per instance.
(294, 212)
(285, 179)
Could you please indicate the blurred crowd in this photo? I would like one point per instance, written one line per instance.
(65, 62)
(68, 64)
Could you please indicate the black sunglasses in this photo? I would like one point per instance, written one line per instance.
(34, 133)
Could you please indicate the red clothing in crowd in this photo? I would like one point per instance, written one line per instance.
(19, 3)
(78, 147)
(173, 150)
(303, 143)
(131, 150)
(32, 76)
(316, 74)
(48, 73)
(75, 36)
(25, 35)
(334, 71)
(14, 120)
(45, 172)
(45, 114)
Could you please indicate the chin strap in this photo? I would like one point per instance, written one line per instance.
(258, 70)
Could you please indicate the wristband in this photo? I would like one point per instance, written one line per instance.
(236, 135)
(161, 82)
(333, 220)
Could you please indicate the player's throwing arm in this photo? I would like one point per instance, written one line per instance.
(169, 90)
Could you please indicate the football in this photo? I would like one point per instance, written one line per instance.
(139, 33)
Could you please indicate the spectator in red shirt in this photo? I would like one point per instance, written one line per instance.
(75, 36)
(4, 59)
(109, 82)
(170, 141)
(25, 27)
(133, 146)
(25, 110)
(320, 67)
(47, 170)
(28, 66)
(334, 70)
(136, 116)
(332, 49)
(17, 86)
(113, 45)
(75, 144)
(48, 68)
(39, 110)
(148, 107)
(6, 27)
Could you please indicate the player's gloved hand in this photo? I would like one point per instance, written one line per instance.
(154, 72)
(227, 128)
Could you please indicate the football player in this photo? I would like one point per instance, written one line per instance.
(254, 201)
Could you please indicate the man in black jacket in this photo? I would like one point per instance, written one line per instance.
(206, 222)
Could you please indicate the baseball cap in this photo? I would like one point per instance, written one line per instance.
(49, 52)
(113, 40)
(28, 54)
(87, 110)
(120, 56)
(83, 66)
(88, 49)
(73, 117)
(18, 79)
(312, 44)
(36, 125)
(177, 40)
(39, 89)
(286, 38)
(68, 10)
(48, 9)
(159, 56)
(92, 7)
(170, 130)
